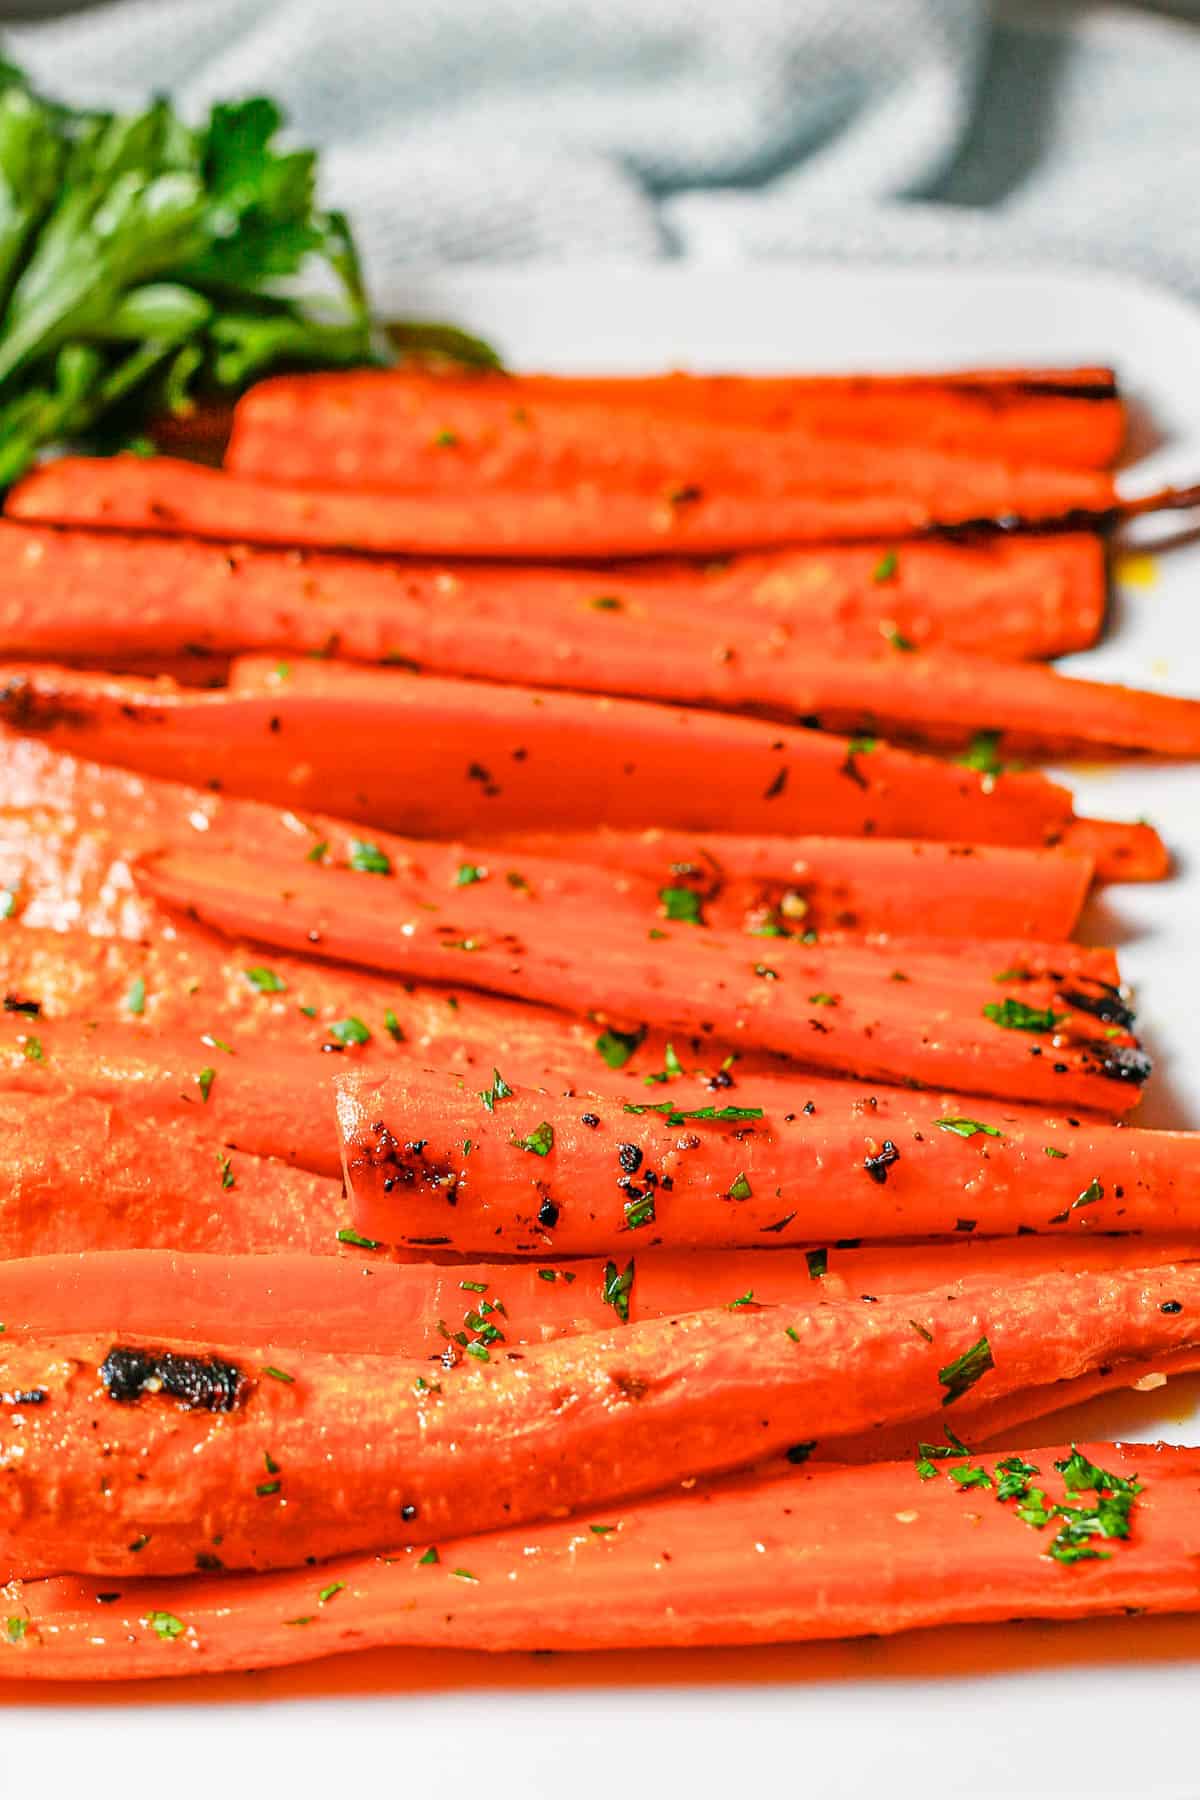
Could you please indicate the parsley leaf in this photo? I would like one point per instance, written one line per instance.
(617, 1287)
(616, 1047)
(681, 903)
(967, 1128)
(1014, 1015)
(540, 1140)
(367, 858)
(499, 1090)
(960, 1375)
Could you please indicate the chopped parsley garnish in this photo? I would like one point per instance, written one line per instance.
(135, 999)
(265, 981)
(1091, 1193)
(968, 1128)
(617, 1287)
(765, 972)
(279, 1374)
(616, 1047)
(681, 904)
(15, 1629)
(165, 1625)
(266, 1488)
(671, 1070)
(347, 1235)
(861, 746)
(1014, 1015)
(473, 1287)
(822, 1000)
(741, 1189)
(885, 569)
(499, 1090)
(204, 1081)
(216, 1043)
(8, 902)
(367, 858)
(818, 1263)
(464, 1575)
(349, 1031)
(675, 1116)
(430, 1556)
(896, 637)
(1049, 1150)
(391, 1025)
(1013, 1476)
(605, 603)
(226, 1169)
(540, 1140)
(326, 1594)
(480, 1351)
(640, 1212)
(981, 753)
(1081, 1476)
(319, 851)
(602, 1530)
(33, 1051)
(469, 873)
(970, 1478)
(746, 1299)
(960, 1375)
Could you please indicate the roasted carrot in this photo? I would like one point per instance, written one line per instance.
(580, 524)
(69, 829)
(689, 1168)
(357, 1301)
(421, 434)
(830, 884)
(511, 758)
(929, 698)
(931, 1017)
(181, 597)
(82, 1174)
(324, 1303)
(508, 1435)
(808, 1553)
(1069, 416)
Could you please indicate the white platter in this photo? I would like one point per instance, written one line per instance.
(1025, 1710)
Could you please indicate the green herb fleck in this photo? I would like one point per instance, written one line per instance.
(962, 1374)
(818, 1263)
(135, 999)
(682, 904)
(885, 569)
(499, 1090)
(617, 1287)
(165, 1625)
(226, 1169)
(347, 1235)
(349, 1031)
(540, 1140)
(265, 981)
(616, 1047)
(469, 873)
(430, 1556)
(1014, 1015)
(968, 1128)
(368, 858)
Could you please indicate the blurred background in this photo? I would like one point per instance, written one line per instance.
(519, 129)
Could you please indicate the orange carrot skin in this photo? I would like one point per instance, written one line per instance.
(418, 434)
(585, 524)
(612, 1180)
(939, 698)
(509, 758)
(1120, 852)
(839, 1009)
(830, 884)
(585, 1420)
(192, 601)
(82, 1174)
(751, 1559)
(69, 830)
(357, 1301)
(1073, 417)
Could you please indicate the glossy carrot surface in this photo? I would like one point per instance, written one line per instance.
(582, 523)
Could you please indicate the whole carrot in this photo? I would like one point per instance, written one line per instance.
(807, 1553)
(510, 758)
(429, 1163)
(1069, 416)
(181, 598)
(582, 523)
(419, 1451)
(422, 434)
(881, 1012)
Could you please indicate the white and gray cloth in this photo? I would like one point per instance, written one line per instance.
(513, 130)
